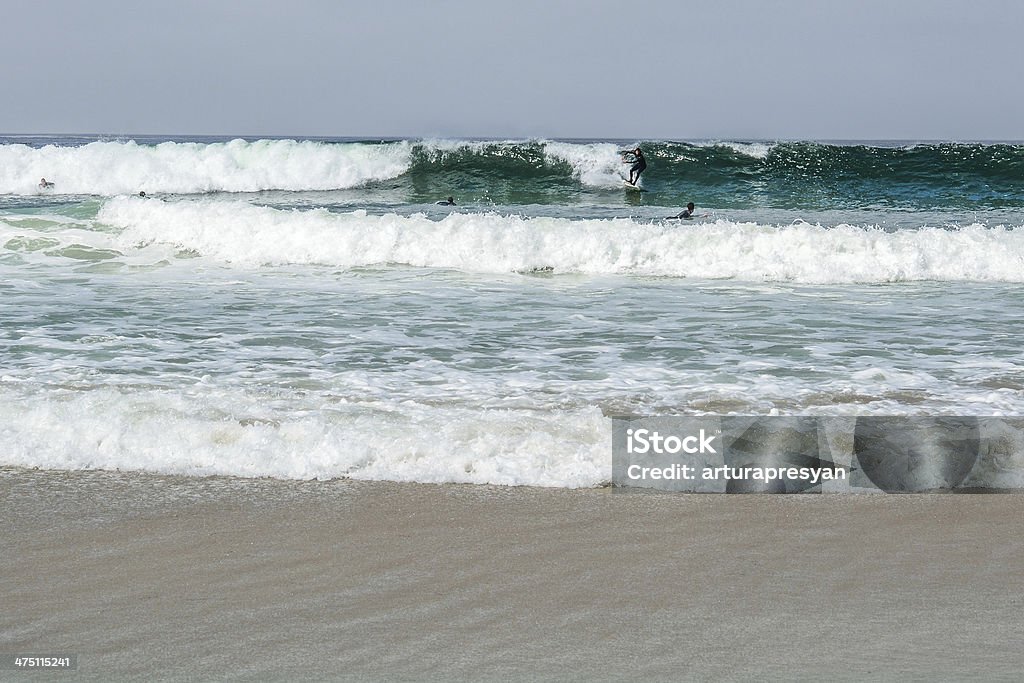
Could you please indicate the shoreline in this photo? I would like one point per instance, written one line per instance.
(170, 578)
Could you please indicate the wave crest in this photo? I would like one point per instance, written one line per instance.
(251, 236)
(112, 168)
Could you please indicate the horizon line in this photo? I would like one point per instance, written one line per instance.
(482, 138)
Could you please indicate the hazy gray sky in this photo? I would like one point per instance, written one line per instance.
(681, 69)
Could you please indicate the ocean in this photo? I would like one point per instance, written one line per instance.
(304, 309)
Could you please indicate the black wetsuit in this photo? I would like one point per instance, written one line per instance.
(639, 165)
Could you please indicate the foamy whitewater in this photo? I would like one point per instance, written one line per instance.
(304, 309)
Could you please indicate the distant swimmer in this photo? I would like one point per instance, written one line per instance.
(45, 184)
(447, 202)
(687, 213)
(638, 161)
(142, 193)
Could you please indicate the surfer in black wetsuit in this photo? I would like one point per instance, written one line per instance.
(45, 184)
(687, 213)
(448, 202)
(639, 164)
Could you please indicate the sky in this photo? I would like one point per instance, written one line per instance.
(629, 69)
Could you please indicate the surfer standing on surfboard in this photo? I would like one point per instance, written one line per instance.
(638, 161)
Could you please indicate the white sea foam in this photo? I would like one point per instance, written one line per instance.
(111, 168)
(757, 150)
(250, 236)
(207, 430)
(597, 164)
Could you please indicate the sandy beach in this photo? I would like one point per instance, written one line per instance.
(166, 578)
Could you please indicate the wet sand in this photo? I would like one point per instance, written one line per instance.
(167, 578)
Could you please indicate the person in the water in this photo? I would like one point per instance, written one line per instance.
(639, 164)
(687, 213)
(447, 202)
(44, 184)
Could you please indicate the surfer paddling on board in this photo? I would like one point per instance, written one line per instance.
(638, 161)
(687, 213)
(447, 202)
